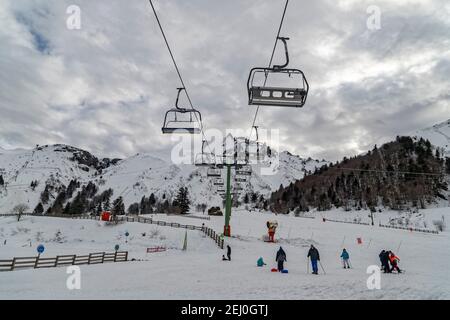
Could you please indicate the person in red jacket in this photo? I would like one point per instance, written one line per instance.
(394, 260)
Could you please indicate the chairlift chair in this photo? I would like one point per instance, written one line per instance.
(245, 170)
(214, 172)
(260, 94)
(182, 120)
(204, 159)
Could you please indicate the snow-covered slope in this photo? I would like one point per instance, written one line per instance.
(199, 272)
(438, 135)
(133, 177)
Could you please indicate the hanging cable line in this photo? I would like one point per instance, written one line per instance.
(270, 62)
(195, 113)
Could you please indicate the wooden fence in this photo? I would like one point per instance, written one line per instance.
(214, 235)
(63, 260)
(409, 229)
(349, 222)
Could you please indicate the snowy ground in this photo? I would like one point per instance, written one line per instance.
(199, 273)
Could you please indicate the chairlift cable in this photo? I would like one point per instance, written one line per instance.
(177, 69)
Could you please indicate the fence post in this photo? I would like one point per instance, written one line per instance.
(103, 257)
(36, 262)
(126, 255)
(89, 259)
(13, 264)
(115, 256)
(73, 259)
(56, 261)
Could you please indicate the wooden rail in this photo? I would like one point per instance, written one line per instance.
(63, 260)
(409, 229)
(349, 222)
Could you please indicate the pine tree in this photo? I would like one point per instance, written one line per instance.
(182, 200)
(152, 199)
(133, 208)
(39, 209)
(118, 207)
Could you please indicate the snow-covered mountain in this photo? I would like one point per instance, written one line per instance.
(131, 178)
(438, 135)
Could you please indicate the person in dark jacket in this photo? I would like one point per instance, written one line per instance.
(229, 252)
(313, 254)
(384, 258)
(281, 258)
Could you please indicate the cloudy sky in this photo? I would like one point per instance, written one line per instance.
(105, 87)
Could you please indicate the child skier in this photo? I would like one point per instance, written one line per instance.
(313, 253)
(394, 262)
(345, 258)
(281, 258)
(260, 262)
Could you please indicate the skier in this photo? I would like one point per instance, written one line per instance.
(260, 262)
(281, 258)
(394, 262)
(229, 252)
(384, 258)
(313, 253)
(345, 257)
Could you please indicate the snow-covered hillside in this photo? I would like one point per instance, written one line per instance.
(200, 273)
(438, 135)
(131, 178)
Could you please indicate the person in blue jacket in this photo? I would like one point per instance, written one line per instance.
(345, 257)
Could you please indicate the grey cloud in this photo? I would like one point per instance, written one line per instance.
(106, 87)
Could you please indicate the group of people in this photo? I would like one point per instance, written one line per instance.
(280, 258)
(389, 261)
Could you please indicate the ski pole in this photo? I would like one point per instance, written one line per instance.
(322, 267)
(398, 248)
(307, 266)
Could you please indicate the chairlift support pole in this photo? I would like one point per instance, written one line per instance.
(226, 229)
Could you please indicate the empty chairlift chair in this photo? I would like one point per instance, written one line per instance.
(291, 96)
(205, 159)
(182, 120)
(214, 172)
(245, 170)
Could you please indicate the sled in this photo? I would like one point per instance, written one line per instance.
(273, 270)
(284, 271)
